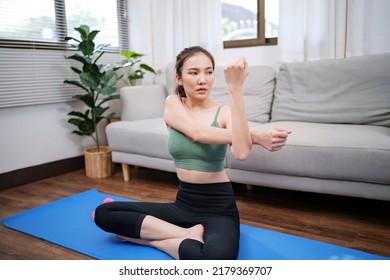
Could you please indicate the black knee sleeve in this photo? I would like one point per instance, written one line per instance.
(119, 222)
(191, 249)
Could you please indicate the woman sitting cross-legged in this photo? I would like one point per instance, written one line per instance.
(203, 222)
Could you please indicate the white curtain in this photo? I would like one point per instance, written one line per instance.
(161, 29)
(322, 29)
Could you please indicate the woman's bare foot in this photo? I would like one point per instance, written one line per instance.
(134, 240)
(123, 238)
(196, 232)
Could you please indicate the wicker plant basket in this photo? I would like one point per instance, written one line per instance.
(98, 164)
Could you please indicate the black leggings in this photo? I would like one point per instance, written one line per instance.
(212, 205)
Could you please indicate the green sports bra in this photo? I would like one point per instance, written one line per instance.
(194, 155)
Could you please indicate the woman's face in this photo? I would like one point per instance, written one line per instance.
(197, 76)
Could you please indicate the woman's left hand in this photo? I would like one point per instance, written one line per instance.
(235, 75)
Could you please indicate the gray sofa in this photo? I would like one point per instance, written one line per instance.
(338, 111)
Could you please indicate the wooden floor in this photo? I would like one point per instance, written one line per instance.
(355, 223)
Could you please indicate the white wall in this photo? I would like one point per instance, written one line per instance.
(34, 135)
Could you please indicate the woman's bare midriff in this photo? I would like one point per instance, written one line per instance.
(200, 177)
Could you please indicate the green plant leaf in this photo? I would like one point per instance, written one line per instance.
(76, 70)
(131, 54)
(84, 123)
(93, 34)
(76, 83)
(109, 98)
(100, 110)
(137, 74)
(77, 57)
(110, 78)
(89, 81)
(83, 30)
(85, 126)
(87, 99)
(147, 68)
(71, 38)
(129, 65)
(76, 114)
(87, 47)
(106, 90)
(91, 68)
(110, 116)
(79, 133)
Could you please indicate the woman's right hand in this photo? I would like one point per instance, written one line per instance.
(272, 139)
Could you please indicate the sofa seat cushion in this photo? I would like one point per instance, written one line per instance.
(325, 151)
(144, 137)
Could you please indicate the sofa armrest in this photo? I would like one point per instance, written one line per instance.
(142, 102)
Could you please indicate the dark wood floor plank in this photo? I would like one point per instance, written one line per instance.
(355, 223)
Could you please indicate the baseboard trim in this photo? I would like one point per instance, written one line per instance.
(34, 173)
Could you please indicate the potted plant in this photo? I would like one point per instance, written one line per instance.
(98, 82)
(133, 67)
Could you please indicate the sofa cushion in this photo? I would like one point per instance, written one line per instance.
(258, 90)
(142, 102)
(354, 91)
(327, 151)
(144, 137)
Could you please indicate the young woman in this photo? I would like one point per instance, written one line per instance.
(203, 222)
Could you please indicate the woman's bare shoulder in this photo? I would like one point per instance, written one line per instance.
(172, 100)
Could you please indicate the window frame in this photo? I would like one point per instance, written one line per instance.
(260, 40)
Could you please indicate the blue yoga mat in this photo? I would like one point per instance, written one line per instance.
(68, 223)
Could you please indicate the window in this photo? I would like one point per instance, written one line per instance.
(101, 15)
(47, 22)
(250, 22)
(32, 46)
